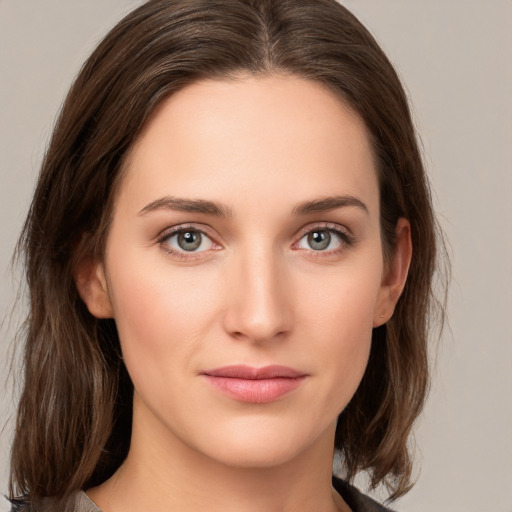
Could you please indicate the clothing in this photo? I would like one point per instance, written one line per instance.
(357, 501)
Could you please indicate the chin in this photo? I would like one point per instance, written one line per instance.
(257, 446)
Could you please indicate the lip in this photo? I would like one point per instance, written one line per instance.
(254, 385)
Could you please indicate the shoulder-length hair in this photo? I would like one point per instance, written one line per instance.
(74, 419)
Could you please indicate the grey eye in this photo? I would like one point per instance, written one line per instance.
(323, 240)
(319, 240)
(189, 240)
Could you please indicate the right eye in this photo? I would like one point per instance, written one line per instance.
(186, 240)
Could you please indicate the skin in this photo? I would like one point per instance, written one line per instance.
(255, 292)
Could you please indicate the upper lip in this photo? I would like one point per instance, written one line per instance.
(253, 373)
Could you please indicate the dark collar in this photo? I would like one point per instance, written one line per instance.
(357, 501)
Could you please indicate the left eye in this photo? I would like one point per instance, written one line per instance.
(321, 240)
(188, 240)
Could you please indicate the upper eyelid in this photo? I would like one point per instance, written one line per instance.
(171, 230)
(329, 226)
(347, 238)
(166, 234)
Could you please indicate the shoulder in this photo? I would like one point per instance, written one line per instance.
(79, 502)
(357, 501)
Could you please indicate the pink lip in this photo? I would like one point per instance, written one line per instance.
(255, 385)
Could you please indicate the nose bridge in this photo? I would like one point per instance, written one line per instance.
(258, 309)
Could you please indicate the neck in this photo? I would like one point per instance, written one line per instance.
(163, 474)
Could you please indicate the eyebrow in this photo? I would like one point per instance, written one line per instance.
(328, 203)
(219, 210)
(187, 205)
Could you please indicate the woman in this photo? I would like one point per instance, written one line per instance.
(229, 255)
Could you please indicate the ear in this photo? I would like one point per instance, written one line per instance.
(395, 274)
(92, 286)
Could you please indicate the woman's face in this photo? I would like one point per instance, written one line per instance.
(244, 268)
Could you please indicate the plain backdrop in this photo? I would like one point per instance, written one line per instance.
(455, 57)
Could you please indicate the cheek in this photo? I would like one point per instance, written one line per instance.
(343, 300)
(161, 315)
(340, 321)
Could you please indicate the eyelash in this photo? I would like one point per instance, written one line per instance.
(165, 236)
(345, 237)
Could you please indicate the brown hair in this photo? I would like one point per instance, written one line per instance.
(74, 418)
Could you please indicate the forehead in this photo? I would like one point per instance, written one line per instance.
(278, 132)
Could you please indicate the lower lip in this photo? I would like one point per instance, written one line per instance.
(255, 391)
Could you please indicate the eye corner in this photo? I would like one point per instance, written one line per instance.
(331, 239)
(187, 242)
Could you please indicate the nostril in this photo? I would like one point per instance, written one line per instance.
(259, 333)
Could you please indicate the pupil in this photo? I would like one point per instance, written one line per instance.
(189, 240)
(319, 240)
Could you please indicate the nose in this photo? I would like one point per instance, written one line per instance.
(258, 307)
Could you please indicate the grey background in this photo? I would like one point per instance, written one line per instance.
(455, 57)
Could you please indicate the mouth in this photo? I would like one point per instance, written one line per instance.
(254, 385)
